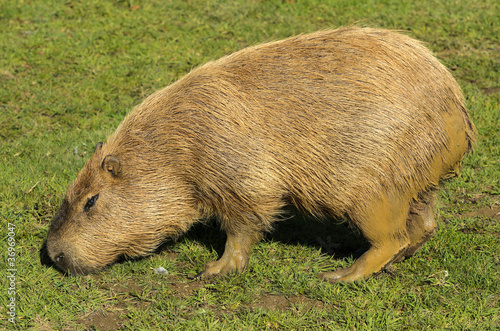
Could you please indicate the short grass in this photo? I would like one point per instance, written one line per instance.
(71, 70)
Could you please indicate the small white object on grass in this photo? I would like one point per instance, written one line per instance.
(161, 271)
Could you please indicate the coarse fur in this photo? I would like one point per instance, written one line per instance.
(355, 122)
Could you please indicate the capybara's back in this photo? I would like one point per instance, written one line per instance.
(361, 123)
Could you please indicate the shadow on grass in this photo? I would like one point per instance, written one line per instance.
(334, 237)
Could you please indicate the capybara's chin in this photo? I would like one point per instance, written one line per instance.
(355, 122)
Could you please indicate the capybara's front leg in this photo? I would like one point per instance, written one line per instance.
(383, 223)
(235, 257)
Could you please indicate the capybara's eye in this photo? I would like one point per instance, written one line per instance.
(90, 203)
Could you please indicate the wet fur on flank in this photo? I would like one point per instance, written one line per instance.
(334, 122)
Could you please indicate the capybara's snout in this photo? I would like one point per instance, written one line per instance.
(73, 256)
(64, 256)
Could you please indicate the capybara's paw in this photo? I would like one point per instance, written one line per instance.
(221, 267)
(213, 269)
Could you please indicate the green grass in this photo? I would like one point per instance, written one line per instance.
(71, 70)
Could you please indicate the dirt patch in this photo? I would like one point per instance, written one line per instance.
(42, 323)
(484, 219)
(185, 288)
(112, 317)
(280, 302)
(490, 90)
(492, 211)
(105, 319)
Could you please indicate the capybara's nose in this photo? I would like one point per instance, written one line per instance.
(59, 258)
(61, 261)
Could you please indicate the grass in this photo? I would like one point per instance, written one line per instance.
(71, 70)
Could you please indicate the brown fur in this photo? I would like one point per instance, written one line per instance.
(352, 122)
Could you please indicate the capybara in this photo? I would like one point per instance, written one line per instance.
(356, 122)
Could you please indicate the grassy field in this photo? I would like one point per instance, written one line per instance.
(71, 70)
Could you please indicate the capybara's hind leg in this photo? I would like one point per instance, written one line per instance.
(235, 257)
(384, 225)
(420, 223)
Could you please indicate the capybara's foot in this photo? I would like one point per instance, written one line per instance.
(420, 223)
(235, 257)
(225, 265)
(370, 263)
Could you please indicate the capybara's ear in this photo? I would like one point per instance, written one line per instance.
(112, 164)
(98, 146)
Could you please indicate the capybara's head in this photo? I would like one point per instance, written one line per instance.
(105, 216)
